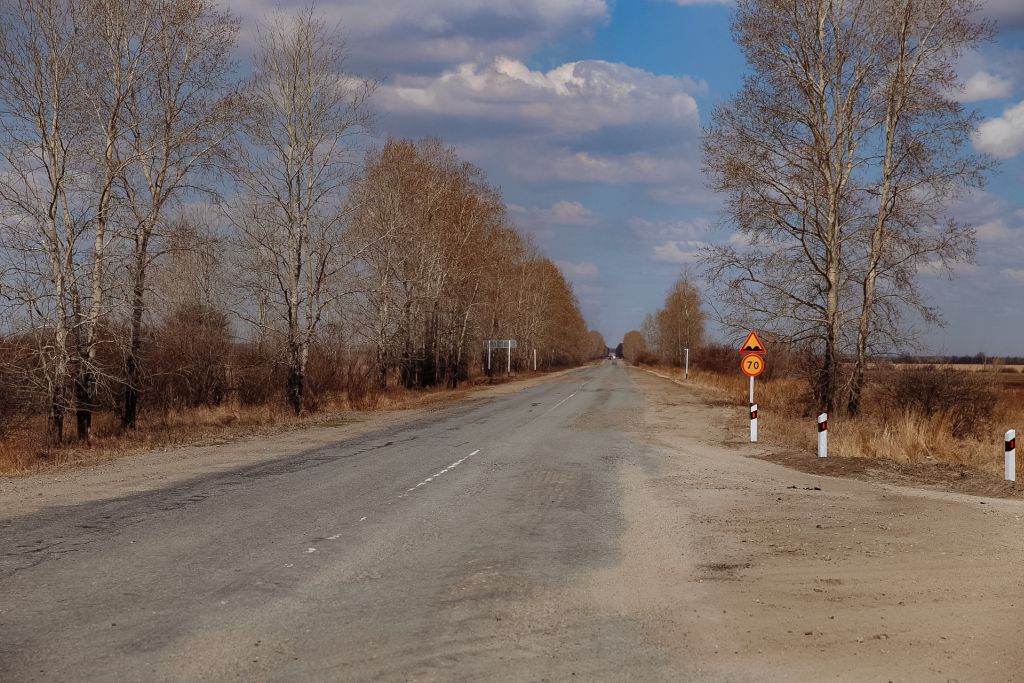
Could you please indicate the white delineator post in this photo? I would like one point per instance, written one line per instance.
(686, 365)
(488, 357)
(1010, 448)
(753, 423)
(823, 435)
(535, 360)
(508, 370)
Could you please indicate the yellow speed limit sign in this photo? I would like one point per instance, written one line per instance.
(752, 365)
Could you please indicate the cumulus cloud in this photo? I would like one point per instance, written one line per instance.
(985, 86)
(1002, 136)
(575, 98)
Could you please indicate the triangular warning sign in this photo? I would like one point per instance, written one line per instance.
(752, 345)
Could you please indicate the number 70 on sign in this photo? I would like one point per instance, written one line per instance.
(752, 365)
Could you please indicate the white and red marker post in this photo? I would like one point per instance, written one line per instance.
(823, 435)
(1010, 456)
(753, 422)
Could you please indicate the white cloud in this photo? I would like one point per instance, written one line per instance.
(559, 213)
(674, 231)
(995, 230)
(1002, 136)
(544, 164)
(578, 271)
(574, 98)
(985, 86)
(678, 251)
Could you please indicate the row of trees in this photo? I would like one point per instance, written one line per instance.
(171, 225)
(441, 269)
(838, 159)
(676, 326)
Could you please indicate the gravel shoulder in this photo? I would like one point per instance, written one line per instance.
(755, 571)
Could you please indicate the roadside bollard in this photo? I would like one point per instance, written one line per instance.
(753, 423)
(1010, 468)
(823, 435)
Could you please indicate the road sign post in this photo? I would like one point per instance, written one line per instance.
(509, 344)
(752, 365)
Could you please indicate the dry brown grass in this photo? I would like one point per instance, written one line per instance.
(23, 450)
(882, 431)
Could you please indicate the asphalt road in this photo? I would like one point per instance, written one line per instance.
(441, 550)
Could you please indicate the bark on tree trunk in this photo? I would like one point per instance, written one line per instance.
(133, 367)
(296, 376)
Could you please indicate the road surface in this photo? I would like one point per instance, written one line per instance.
(601, 525)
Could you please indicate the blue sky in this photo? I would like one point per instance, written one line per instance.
(587, 113)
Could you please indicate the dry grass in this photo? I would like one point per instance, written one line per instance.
(787, 418)
(23, 449)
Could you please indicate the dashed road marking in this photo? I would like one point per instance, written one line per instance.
(559, 403)
(435, 475)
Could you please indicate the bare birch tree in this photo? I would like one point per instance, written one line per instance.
(294, 162)
(829, 212)
(178, 119)
(42, 223)
(921, 167)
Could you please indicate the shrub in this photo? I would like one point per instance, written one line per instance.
(964, 397)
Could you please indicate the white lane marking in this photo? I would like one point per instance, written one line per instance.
(559, 403)
(435, 475)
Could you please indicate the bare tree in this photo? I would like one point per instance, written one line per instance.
(633, 346)
(294, 162)
(797, 153)
(177, 120)
(42, 221)
(921, 167)
(681, 320)
(784, 150)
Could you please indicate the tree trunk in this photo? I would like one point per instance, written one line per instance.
(85, 390)
(133, 367)
(296, 376)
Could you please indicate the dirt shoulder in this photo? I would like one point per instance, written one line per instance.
(750, 571)
(146, 470)
(935, 476)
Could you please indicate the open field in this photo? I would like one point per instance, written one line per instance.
(1010, 375)
(884, 430)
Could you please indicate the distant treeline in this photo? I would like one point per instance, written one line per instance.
(976, 359)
